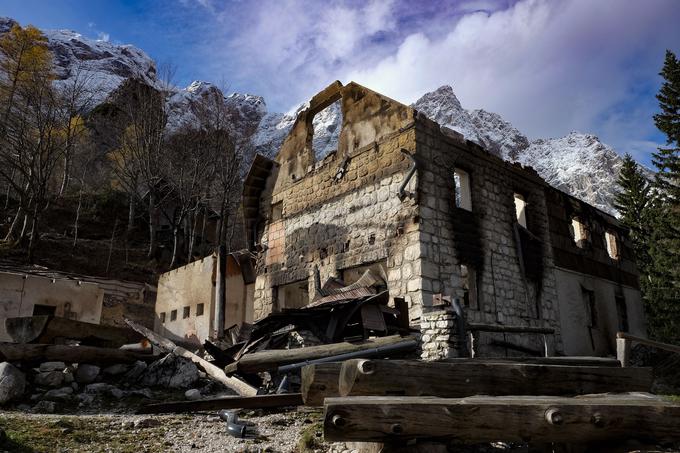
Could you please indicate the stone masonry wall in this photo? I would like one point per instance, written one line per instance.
(340, 223)
(485, 238)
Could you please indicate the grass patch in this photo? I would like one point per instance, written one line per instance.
(311, 435)
(32, 434)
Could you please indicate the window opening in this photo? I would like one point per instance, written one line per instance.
(173, 315)
(199, 309)
(612, 245)
(326, 127)
(462, 189)
(186, 312)
(520, 209)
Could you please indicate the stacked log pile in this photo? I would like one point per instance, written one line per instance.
(542, 402)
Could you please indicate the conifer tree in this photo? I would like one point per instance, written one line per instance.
(663, 292)
(632, 202)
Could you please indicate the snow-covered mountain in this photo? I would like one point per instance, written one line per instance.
(95, 63)
(578, 163)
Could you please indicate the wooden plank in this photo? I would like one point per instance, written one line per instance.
(272, 359)
(565, 360)
(232, 402)
(35, 353)
(460, 379)
(508, 418)
(47, 329)
(320, 381)
(478, 327)
(645, 341)
(214, 372)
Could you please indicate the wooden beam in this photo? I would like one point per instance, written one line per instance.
(47, 329)
(460, 379)
(647, 342)
(214, 372)
(508, 418)
(565, 360)
(479, 327)
(232, 402)
(272, 359)
(70, 354)
(320, 381)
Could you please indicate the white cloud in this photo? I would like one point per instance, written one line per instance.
(547, 66)
(101, 36)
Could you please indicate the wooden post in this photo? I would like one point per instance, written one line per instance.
(623, 351)
(320, 381)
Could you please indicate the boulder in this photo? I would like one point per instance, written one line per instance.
(86, 374)
(115, 370)
(170, 371)
(144, 393)
(61, 394)
(52, 366)
(49, 379)
(45, 407)
(101, 388)
(12, 382)
(192, 394)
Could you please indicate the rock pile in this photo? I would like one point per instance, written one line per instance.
(65, 387)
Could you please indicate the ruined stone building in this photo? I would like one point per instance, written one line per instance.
(435, 214)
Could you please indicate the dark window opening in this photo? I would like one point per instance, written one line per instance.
(277, 211)
(468, 277)
(44, 310)
(186, 312)
(173, 315)
(293, 295)
(199, 309)
(162, 317)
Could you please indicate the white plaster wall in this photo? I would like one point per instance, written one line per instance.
(19, 293)
(573, 315)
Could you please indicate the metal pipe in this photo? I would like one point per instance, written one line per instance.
(409, 175)
(234, 428)
(379, 351)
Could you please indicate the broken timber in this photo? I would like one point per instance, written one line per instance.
(214, 372)
(69, 354)
(232, 402)
(320, 381)
(460, 379)
(504, 418)
(275, 358)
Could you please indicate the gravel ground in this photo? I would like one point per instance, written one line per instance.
(270, 432)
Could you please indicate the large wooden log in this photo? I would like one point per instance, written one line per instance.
(320, 381)
(271, 360)
(231, 402)
(214, 372)
(35, 353)
(48, 329)
(460, 379)
(507, 418)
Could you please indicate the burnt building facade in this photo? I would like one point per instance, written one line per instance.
(435, 215)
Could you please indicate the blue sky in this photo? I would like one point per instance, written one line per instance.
(547, 66)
